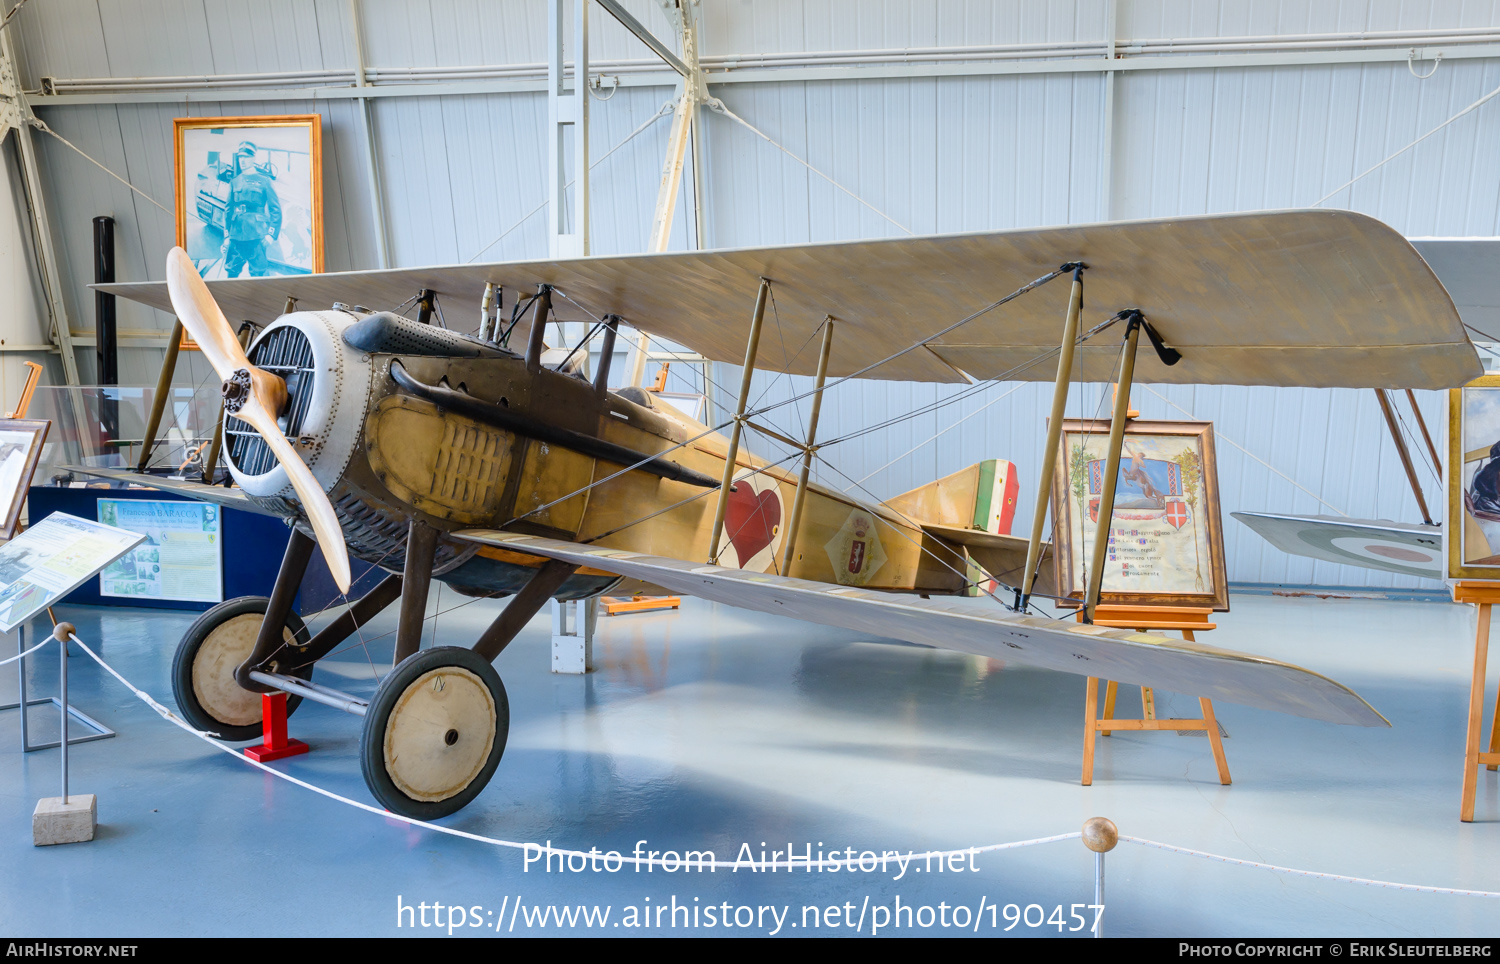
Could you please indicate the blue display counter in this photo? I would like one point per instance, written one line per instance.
(253, 545)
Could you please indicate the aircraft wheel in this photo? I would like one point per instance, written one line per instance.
(203, 670)
(434, 732)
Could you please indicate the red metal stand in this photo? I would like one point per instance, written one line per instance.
(273, 722)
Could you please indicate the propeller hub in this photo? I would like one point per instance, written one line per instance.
(236, 390)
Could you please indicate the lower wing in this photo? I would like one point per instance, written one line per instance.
(951, 623)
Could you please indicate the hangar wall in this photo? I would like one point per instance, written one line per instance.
(991, 137)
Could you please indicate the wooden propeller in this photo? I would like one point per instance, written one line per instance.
(255, 396)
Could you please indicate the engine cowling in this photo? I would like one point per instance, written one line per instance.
(328, 390)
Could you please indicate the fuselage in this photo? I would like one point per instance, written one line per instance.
(385, 455)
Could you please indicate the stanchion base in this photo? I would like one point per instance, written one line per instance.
(55, 822)
(265, 754)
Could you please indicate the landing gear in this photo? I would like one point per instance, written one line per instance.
(203, 670)
(434, 732)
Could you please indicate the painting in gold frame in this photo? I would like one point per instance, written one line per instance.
(1473, 482)
(21, 442)
(1167, 544)
(249, 193)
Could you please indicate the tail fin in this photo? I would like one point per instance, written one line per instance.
(978, 500)
(982, 496)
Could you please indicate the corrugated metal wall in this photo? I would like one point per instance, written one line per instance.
(927, 154)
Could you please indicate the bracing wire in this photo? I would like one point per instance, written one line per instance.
(1029, 286)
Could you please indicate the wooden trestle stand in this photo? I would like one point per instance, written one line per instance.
(1483, 595)
(1186, 619)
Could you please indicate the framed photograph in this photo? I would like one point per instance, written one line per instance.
(20, 450)
(1473, 529)
(1166, 540)
(250, 194)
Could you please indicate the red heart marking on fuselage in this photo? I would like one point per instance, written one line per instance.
(750, 519)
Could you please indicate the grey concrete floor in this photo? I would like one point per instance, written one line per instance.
(712, 728)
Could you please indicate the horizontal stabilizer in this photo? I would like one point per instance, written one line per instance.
(1002, 556)
(982, 628)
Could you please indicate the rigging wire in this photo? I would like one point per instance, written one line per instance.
(974, 389)
(1220, 435)
(718, 105)
(710, 431)
(665, 109)
(692, 498)
(1472, 107)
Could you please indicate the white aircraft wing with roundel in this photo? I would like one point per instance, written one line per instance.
(1407, 548)
(957, 624)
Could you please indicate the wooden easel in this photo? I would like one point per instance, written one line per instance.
(1483, 595)
(1187, 619)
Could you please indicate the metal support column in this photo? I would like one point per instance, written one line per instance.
(808, 451)
(752, 346)
(41, 225)
(1112, 467)
(366, 113)
(1054, 432)
(566, 110)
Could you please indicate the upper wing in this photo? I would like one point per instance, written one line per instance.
(1114, 654)
(1315, 298)
(233, 498)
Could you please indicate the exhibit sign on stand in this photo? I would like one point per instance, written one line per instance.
(51, 559)
(182, 557)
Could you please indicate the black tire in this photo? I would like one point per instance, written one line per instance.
(224, 645)
(426, 756)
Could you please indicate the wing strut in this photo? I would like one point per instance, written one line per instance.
(809, 449)
(752, 347)
(1054, 432)
(1401, 450)
(1121, 415)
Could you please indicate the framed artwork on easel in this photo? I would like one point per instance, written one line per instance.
(1166, 541)
(1474, 480)
(249, 194)
(20, 450)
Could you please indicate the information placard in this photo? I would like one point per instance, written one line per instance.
(181, 559)
(51, 559)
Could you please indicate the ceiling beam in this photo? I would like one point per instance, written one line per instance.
(645, 36)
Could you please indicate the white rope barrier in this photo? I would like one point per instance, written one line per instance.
(796, 864)
(33, 649)
(1422, 888)
(789, 865)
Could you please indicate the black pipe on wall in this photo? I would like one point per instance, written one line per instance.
(106, 342)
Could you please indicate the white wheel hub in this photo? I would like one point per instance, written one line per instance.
(439, 734)
(227, 646)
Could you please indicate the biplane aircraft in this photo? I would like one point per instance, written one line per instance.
(438, 455)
